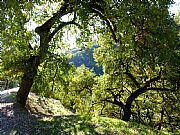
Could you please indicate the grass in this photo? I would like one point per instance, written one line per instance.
(65, 122)
(87, 125)
(58, 120)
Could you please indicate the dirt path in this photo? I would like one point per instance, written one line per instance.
(4, 95)
(15, 120)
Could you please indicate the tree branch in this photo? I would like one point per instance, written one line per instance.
(118, 103)
(63, 24)
(132, 78)
(65, 9)
(115, 96)
(141, 90)
(30, 47)
(108, 23)
(147, 83)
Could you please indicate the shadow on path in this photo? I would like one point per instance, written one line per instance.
(15, 120)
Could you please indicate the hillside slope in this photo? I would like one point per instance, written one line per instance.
(52, 118)
(85, 57)
(60, 120)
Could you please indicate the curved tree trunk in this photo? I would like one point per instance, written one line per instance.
(135, 94)
(46, 34)
(127, 113)
(27, 80)
(25, 87)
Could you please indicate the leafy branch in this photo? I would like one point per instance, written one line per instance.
(63, 24)
(99, 12)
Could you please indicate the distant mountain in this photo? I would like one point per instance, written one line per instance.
(85, 57)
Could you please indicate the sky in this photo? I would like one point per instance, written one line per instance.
(175, 7)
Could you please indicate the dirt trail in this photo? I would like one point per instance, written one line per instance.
(6, 93)
(15, 120)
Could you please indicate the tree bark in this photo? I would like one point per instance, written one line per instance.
(27, 80)
(127, 113)
(25, 87)
(135, 94)
(34, 61)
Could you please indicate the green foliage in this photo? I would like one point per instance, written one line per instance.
(139, 52)
(78, 95)
(14, 38)
(81, 56)
(143, 57)
(52, 75)
(148, 45)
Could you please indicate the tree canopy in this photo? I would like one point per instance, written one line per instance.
(138, 49)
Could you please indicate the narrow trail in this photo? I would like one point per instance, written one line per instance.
(4, 95)
(15, 120)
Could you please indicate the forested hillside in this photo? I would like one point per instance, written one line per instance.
(85, 57)
(132, 75)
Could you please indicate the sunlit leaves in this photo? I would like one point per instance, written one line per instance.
(80, 89)
(138, 41)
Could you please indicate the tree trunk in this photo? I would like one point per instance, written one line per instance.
(127, 113)
(27, 80)
(25, 87)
